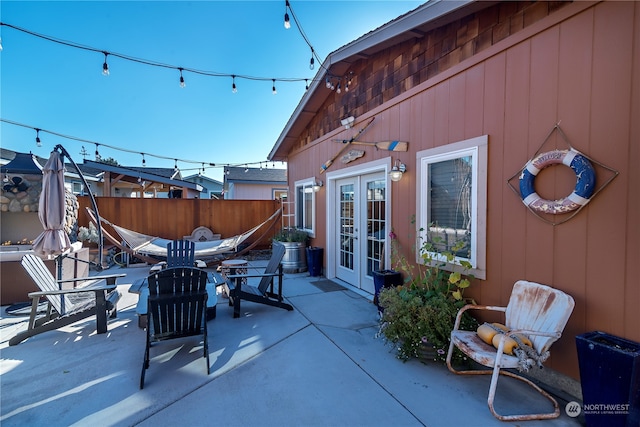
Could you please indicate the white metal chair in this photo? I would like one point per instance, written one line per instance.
(534, 310)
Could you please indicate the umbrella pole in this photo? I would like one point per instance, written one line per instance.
(59, 274)
(93, 202)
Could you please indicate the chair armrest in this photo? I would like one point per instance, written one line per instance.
(235, 276)
(456, 326)
(82, 279)
(73, 291)
(533, 333)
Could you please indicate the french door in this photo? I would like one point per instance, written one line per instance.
(360, 228)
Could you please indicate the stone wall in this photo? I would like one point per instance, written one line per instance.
(21, 194)
(16, 198)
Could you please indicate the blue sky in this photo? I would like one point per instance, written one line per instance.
(143, 108)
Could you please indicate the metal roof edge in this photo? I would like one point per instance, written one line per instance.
(143, 175)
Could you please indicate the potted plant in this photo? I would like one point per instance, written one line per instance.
(89, 235)
(295, 241)
(419, 315)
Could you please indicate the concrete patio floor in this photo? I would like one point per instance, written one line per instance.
(319, 365)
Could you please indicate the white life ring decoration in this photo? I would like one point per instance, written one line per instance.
(585, 183)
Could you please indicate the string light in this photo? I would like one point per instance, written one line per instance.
(38, 143)
(175, 166)
(182, 83)
(150, 62)
(311, 62)
(306, 84)
(234, 89)
(144, 162)
(287, 24)
(273, 88)
(201, 166)
(338, 90)
(105, 66)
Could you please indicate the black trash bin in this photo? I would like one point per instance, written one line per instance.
(314, 261)
(384, 279)
(610, 379)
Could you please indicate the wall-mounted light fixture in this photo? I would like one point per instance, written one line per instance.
(397, 170)
(348, 122)
(317, 186)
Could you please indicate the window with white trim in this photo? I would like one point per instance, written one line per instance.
(452, 194)
(305, 204)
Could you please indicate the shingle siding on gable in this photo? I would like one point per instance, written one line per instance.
(379, 78)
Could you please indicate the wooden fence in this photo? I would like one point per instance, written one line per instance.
(175, 218)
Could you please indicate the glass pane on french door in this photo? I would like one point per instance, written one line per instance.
(376, 218)
(346, 222)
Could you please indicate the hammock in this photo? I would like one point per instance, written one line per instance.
(151, 248)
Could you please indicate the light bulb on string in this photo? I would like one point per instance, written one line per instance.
(97, 153)
(306, 84)
(175, 166)
(38, 143)
(273, 88)
(144, 162)
(312, 61)
(338, 90)
(328, 83)
(182, 83)
(287, 23)
(105, 66)
(234, 89)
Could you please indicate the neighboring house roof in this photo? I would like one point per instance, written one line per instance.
(23, 163)
(202, 178)
(414, 24)
(241, 175)
(210, 185)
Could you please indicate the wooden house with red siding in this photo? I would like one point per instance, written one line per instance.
(477, 90)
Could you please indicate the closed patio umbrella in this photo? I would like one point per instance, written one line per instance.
(53, 241)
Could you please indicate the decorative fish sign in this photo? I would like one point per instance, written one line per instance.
(351, 156)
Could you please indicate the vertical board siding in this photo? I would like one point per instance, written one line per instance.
(609, 128)
(582, 70)
(632, 288)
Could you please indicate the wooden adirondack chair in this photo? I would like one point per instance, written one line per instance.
(536, 311)
(180, 253)
(264, 292)
(67, 306)
(176, 308)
